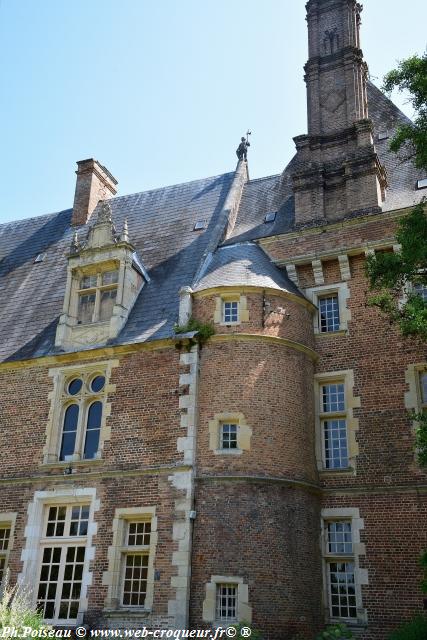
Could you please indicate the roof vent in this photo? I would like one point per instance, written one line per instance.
(383, 135)
(422, 184)
(200, 224)
(39, 258)
(270, 217)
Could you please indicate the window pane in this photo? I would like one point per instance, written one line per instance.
(86, 308)
(97, 384)
(88, 282)
(55, 522)
(93, 427)
(74, 386)
(2, 567)
(333, 398)
(48, 582)
(4, 538)
(329, 313)
(110, 277)
(69, 431)
(231, 311)
(342, 590)
(139, 533)
(135, 585)
(340, 538)
(229, 436)
(226, 602)
(108, 299)
(335, 435)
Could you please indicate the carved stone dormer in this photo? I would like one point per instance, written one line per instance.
(104, 278)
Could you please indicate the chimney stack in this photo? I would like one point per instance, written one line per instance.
(94, 183)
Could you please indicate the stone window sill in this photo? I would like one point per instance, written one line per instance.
(348, 471)
(65, 464)
(228, 452)
(123, 611)
(327, 334)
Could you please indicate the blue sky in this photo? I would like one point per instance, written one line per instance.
(160, 91)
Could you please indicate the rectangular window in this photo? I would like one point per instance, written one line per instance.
(231, 311)
(62, 562)
(136, 555)
(97, 296)
(333, 419)
(340, 568)
(4, 546)
(228, 436)
(226, 602)
(329, 313)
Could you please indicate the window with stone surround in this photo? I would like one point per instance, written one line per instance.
(130, 575)
(416, 394)
(422, 380)
(231, 308)
(62, 562)
(336, 444)
(229, 434)
(342, 574)
(226, 602)
(332, 304)
(77, 420)
(4, 547)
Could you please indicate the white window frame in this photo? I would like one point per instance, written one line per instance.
(230, 423)
(115, 576)
(133, 550)
(345, 377)
(328, 416)
(7, 522)
(243, 609)
(64, 542)
(352, 515)
(226, 585)
(231, 301)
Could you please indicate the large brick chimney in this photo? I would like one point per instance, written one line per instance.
(94, 183)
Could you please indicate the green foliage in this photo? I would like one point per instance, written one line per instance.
(204, 330)
(16, 609)
(411, 77)
(389, 272)
(415, 629)
(335, 632)
(255, 635)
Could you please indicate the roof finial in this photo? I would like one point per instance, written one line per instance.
(104, 214)
(75, 244)
(125, 233)
(242, 149)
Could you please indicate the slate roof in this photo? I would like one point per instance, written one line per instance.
(274, 193)
(244, 264)
(161, 225)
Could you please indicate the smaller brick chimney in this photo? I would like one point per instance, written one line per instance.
(94, 183)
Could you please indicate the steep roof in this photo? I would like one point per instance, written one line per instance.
(244, 264)
(161, 225)
(274, 193)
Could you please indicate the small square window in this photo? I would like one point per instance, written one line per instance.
(231, 311)
(339, 538)
(199, 225)
(420, 290)
(270, 217)
(329, 313)
(226, 602)
(422, 184)
(228, 436)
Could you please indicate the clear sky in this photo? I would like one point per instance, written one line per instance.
(160, 91)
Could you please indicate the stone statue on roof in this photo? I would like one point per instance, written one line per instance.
(242, 149)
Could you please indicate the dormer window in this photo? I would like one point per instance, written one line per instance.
(97, 297)
(105, 276)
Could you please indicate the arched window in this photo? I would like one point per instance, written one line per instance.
(93, 428)
(69, 431)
